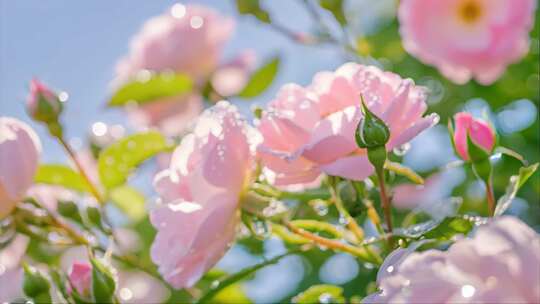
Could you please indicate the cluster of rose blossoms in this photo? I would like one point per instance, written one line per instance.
(305, 133)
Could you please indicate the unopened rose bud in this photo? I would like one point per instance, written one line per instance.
(80, 278)
(19, 156)
(371, 132)
(473, 139)
(43, 104)
(35, 285)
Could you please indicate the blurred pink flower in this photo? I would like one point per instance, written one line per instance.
(311, 130)
(11, 274)
(480, 132)
(230, 78)
(42, 103)
(499, 264)
(171, 115)
(187, 39)
(467, 38)
(201, 191)
(409, 196)
(80, 277)
(19, 156)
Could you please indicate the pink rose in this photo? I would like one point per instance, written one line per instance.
(11, 274)
(42, 103)
(480, 132)
(201, 191)
(311, 130)
(467, 38)
(499, 264)
(187, 39)
(19, 155)
(80, 277)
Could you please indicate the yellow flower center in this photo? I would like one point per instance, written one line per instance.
(470, 11)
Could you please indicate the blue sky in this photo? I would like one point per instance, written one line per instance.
(74, 45)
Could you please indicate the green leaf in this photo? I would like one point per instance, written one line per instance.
(516, 181)
(323, 293)
(69, 210)
(232, 294)
(94, 216)
(261, 79)
(437, 229)
(130, 201)
(253, 7)
(117, 161)
(156, 86)
(449, 227)
(61, 175)
(511, 153)
(336, 8)
(103, 283)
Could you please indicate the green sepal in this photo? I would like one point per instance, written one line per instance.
(475, 152)
(36, 285)
(103, 282)
(371, 131)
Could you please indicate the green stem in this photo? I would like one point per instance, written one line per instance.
(351, 222)
(80, 168)
(305, 196)
(233, 278)
(385, 201)
(93, 189)
(490, 196)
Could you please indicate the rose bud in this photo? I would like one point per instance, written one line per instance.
(42, 103)
(477, 132)
(80, 278)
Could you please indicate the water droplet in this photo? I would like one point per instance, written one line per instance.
(343, 220)
(143, 75)
(63, 96)
(368, 266)
(320, 207)
(126, 294)
(467, 291)
(99, 128)
(196, 22)
(325, 298)
(402, 150)
(215, 284)
(262, 229)
(390, 269)
(178, 11)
